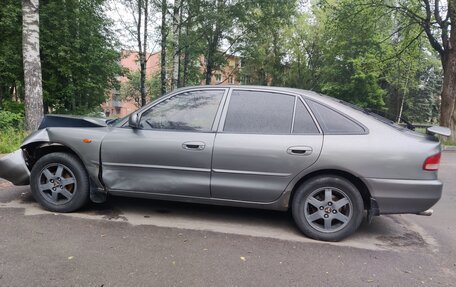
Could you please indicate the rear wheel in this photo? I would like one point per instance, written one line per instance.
(328, 208)
(59, 182)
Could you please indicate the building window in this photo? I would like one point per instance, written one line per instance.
(218, 77)
(230, 80)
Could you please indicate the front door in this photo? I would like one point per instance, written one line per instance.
(265, 139)
(171, 152)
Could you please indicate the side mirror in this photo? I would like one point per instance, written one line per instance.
(133, 121)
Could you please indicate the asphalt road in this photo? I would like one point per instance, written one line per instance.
(132, 242)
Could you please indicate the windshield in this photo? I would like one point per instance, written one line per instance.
(115, 122)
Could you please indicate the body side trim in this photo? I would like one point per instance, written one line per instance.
(156, 166)
(251, 172)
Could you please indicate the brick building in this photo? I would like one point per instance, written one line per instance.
(117, 107)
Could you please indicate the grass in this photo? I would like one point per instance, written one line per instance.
(449, 142)
(11, 139)
(421, 130)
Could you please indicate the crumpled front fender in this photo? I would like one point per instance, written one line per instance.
(13, 166)
(37, 136)
(14, 169)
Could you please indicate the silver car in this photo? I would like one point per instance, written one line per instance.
(245, 146)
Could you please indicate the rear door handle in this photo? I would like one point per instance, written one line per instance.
(193, 145)
(299, 150)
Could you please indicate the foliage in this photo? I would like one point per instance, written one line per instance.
(344, 50)
(130, 89)
(11, 73)
(11, 139)
(78, 58)
(262, 33)
(12, 126)
(9, 119)
(449, 142)
(79, 62)
(362, 51)
(12, 106)
(11, 115)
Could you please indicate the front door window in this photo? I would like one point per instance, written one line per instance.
(188, 111)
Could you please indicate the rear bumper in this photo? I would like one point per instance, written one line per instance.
(404, 196)
(14, 169)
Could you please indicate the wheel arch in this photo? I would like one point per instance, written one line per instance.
(356, 181)
(35, 151)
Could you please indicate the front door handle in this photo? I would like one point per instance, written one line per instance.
(193, 145)
(299, 150)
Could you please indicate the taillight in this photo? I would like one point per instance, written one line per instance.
(432, 163)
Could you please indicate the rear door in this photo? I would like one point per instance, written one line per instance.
(171, 152)
(264, 140)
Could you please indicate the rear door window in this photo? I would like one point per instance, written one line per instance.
(303, 122)
(259, 112)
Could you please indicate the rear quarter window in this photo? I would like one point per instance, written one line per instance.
(333, 122)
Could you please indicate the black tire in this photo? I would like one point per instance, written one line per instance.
(72, 171)
(308, 196)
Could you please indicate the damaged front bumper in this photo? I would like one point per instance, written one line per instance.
(14, 169)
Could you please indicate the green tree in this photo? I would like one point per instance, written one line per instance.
(79, 60)
(131, 90)
(370, 59)
(432, 20)
(11, 72)
(262, 35)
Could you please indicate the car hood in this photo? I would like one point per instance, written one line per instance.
(50, 121)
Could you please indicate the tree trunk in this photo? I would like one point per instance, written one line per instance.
(208, 60)
(448, 97)
(185, 68)
(404, 94)
(186, 49)
(143, 49)
(163, 49)
(176, 50)
(32, 64)
(1, 95)
(179, 76)
(448, 57)
(213, 44)
(212, 49)
(142, 61)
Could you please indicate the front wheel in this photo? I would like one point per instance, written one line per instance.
(328, 208)
(59, 182)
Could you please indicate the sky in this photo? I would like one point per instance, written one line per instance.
(123, 22)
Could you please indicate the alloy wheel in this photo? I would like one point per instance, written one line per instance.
(57, 183)
(328, 209)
